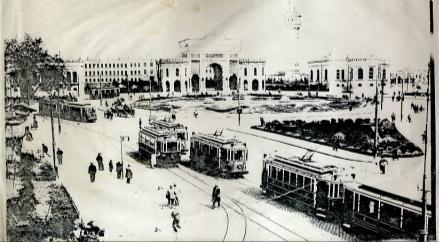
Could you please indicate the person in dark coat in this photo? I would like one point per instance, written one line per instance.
(119, 170)
(59, 155)
(216, 196)
(175, 220)
(92, 172)
(45, 150)
(128, 174)
(110, 166)
(100, 161)
(382, 164)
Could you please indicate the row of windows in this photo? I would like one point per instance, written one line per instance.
(255, 71)
(292, 178)
(96, 80)
(116, 65)
(177, 72)
(360, 74)
(116, 73)
(359, 84)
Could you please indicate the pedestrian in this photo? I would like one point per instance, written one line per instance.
(119, 170)
(177, 193)
(59, 155)
(171, 196)
(128, 174)
(110, 166)
(382, 164)
(168, 197)
(100, 161)
(45, 150)
(140, 123)
(216, 196)
(393, 117)
(409, 118)
(35, 123)
(92, 172)
(175, 215)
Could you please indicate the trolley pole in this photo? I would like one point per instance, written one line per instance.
(122, 137)
(402, 95)
(55, 168)
(59, 114)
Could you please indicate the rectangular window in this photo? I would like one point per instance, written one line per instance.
(293, 179)
(286, 176)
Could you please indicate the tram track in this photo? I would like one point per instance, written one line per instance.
(283, 233)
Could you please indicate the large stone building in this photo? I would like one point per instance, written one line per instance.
(354, 77)
(211, 65)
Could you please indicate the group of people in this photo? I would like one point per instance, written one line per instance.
(92, 170)
(172, 195)
(416, 108)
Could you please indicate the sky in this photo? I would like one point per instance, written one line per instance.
(395, 30)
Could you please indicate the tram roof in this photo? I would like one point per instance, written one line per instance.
(165, 124)
(79, 104)
(157, 132)
(220, 140)
(315, 166)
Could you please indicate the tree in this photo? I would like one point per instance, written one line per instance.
(31, 67)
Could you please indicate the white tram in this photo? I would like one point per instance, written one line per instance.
(162, 146)
(73, 111)
(180, 129)
(216, 155)
(307, 184)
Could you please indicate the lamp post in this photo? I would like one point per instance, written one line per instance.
(122, 138)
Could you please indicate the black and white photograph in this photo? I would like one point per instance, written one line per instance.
(219, 120)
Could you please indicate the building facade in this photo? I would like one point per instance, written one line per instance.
(351, 77)
(211, 65)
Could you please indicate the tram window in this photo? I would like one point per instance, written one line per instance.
(280, 174)
(273, 172)
(223, 154)
(349, 199)
(411, 221)
(299, 181)
(293, 179)
(286, 176)
(307, 183)
(390, 214)
(369, 207)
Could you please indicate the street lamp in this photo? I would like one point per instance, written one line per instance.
(122, 138)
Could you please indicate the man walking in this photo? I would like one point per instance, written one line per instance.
(92, 171)
(100, 161)
(119, 170)
(110, 166)
(128, 174)
(171, 197)
(216, 196)
(59, 155)
(175, 220)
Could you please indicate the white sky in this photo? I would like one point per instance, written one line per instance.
(396, 30)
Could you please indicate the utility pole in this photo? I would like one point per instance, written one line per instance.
(59, 113)
(55, 168)
(375, 140)
(122, 137)
(150, 99)
(382, 85)
(402, 95)
(239, 103)
(423, 233)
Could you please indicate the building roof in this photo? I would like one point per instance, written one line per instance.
(210, 43)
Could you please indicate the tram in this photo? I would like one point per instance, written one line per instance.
(79, 112)
(179, 129)
(308, 184)
(212, 154)
(381, 212)
(161, 145)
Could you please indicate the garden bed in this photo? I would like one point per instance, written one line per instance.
(356, 136)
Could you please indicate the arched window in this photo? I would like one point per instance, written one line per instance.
(360, 74)
(167, 72)
(245, 71)
(318, 75)
(326, 74)
(370, 72)
(311, 75)
(384, 73)
(255, 71)
(342, 74)
(338, 74)
(177, 72)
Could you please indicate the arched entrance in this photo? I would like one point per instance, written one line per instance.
(245, 85)
(177, 86)
(214, 77)
(255, 85)
(167, 86)
(195, 81)
(233, 82)
(185, 86)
